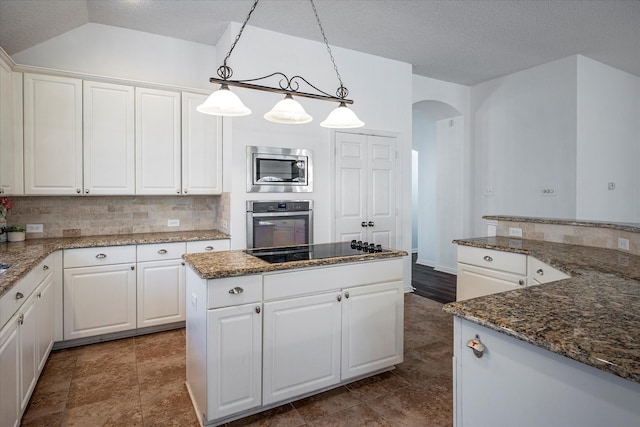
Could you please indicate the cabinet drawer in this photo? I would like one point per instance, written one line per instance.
(539, 272)
(208, 246)
(234, 291)
(160, 251)
(13, 300)
(495, 260)
(106, 255)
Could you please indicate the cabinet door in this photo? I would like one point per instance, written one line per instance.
(475, 281)
(372, 328)
(9, 374)
(157, 142)
(28, 350)
(52, 135)
(11, 179)
(99, 300)
(201, 148)
(161, 292)
(234, 359)
(45, 315)
(301, 345)
(109, 151)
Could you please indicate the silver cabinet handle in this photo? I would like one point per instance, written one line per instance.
(101, 256)
(237, 290)
(339, 298)
(19, 295)
(363, 223)
(208, 248)
(258, 310)
(45, 267)
(21, 319)
(488, 258)
(39, 295)
(540, 272)
(346, 294)
(477, 346)
(370, 224)
(162, 251)
(521, 282)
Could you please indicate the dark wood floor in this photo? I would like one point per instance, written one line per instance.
(435, 285)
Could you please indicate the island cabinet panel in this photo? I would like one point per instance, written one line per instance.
(518, 384)
(234, 359)
(301, 345)
(10, 374)
(372, 326)
(538, 272)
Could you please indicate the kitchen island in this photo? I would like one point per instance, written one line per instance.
(563, 353)
(260, 334)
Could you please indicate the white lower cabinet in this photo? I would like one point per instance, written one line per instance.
(99, 300)
(301, 345)
(28, 350)
(234, 359)
(10, 374)
(160, 292)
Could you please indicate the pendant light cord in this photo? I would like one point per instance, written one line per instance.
(342, 91)
(224, 71)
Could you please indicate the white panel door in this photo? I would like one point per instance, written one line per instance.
(28, 350)
(109, 150)
(10, 374)
(234, 359)
(99, 300)
(11, 178)
(161, 292)
(201, 148)
(45, 315)
(365, 188)
(372, 328)
(301, 346)
(158, 169)
(52, 135)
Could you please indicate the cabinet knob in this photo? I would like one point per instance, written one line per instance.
(178, 191)
(86, 191)
(162, 251)
(133, 268)
(39, 295)
(346, 294)
(258, 309)
(339, 298)
(78, 190)
(540, 272)
(237, 290)
(184, 191)
(370, 224)
(208, 248)
(521, 282)
(183, 263)
(363, 223)
(45, 267)
(101, 256)
(19, 295)
(488, 258)
(477, 346)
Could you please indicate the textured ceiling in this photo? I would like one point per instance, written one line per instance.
(465, 42)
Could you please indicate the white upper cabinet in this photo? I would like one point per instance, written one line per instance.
(109, 150)
(158, 118)
(52, 135)
(11, 180)
(201, 148)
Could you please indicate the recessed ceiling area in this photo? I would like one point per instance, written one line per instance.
(465, 42)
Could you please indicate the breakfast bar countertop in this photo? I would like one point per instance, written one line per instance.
(24, 256)
(593, 317)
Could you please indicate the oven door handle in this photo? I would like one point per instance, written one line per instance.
(272, 214)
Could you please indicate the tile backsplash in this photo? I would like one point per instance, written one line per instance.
(87, 215)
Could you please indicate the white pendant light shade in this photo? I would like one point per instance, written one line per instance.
(288, 111)
(342, 118)
(223, 102)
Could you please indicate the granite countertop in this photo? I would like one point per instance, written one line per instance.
(24, 256)
(592, 317)
(624, 226)
(218, 265)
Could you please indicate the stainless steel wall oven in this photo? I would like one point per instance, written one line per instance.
(279, 170)
(279, 223)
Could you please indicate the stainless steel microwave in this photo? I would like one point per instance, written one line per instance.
(279, 170)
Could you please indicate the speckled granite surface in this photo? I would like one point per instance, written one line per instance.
(23, 256)
(218, 265)
(625, 226)
(593, 317)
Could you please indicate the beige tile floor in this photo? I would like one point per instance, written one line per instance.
(140, 382)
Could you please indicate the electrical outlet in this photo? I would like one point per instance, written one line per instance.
(548, 191)
(515, 232)
(623, 243)
(35, 228)
(611, 186)
(225, 226)
(173, 223)
(488, 191)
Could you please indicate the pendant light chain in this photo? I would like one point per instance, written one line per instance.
(342, 91)
(224, 71)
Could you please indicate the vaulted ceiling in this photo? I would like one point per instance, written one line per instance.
(466, 41)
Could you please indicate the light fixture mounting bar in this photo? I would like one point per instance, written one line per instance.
(289, 91)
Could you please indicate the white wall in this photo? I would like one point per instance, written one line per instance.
(129, 54)
(608, 142)
(524, 139)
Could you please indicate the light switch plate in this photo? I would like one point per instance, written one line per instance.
(515, 232)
